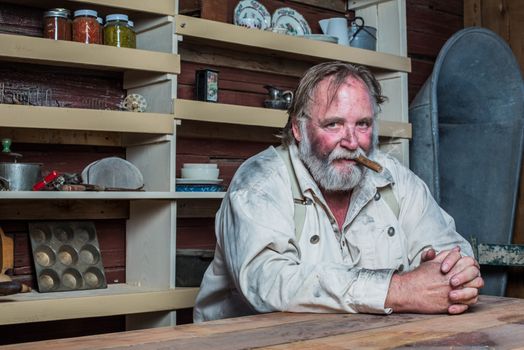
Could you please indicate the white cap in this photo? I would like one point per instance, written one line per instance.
(116, 17)
(91, 13)
(100, 20)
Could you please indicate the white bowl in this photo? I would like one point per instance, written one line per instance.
(206, 173)
(199, 165)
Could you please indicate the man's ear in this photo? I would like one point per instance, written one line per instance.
(296, 130)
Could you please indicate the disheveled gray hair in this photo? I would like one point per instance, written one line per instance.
(338, 72)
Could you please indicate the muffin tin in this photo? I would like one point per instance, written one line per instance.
(66, 256)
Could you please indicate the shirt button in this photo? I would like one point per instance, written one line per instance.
(391, 231)
(401, 268)
(377, 196)
(314, 239)
(343, 243)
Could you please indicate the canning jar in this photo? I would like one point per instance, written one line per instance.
(86, 29)
(101, 29)
(117, 31)
(132, 34)
(57, 24)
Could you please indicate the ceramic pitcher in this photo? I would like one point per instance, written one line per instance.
(337, 27)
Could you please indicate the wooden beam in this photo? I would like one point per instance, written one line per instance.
(221, 131)
(201, 208)
(338, 5)
(63, 210)
(215, 56)
(63, 137)
(472, 13)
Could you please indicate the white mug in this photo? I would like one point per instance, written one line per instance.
(338, 27)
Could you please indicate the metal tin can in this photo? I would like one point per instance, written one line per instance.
(206, 85)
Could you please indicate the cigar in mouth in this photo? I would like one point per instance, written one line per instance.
(368, 163)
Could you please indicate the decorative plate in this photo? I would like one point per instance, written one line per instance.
(198, 182)
(252, 9)
(291, 20)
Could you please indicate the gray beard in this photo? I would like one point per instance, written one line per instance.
(326, 175)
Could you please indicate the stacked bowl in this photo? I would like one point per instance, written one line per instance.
(199, 177)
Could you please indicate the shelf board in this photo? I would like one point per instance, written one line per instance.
(200, 195)
(257, 41)
(36, 117)
(158, 7)
(18, 48)
(117, 299)
(110, 195)
(234, 114)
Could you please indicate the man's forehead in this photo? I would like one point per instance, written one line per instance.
(327, 89)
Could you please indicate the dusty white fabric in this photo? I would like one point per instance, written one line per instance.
(260, 267)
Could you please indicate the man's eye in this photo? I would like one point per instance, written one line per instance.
(332, 125)
(364, 124)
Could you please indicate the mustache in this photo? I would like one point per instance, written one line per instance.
(359, 156)
(339, 153)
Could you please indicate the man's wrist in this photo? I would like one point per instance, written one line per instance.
(394, 296)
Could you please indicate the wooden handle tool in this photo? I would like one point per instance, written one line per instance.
(13, 287)
(368, 163)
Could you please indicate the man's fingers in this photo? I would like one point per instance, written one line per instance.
(468, 296)
(468, 274)
(428, 255)
(456, 309)
(450, 260)
(477, 282)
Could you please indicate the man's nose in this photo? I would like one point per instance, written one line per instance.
(349, 140)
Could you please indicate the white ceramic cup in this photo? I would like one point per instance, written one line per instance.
(337, 27)
(199, 173)
(199, 165)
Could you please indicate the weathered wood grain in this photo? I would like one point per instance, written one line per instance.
(494, 322)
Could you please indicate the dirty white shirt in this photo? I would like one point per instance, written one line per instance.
(260, 267)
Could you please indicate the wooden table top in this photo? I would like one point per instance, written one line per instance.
(494, 323)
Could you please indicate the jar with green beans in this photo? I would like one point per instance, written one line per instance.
(117, 31)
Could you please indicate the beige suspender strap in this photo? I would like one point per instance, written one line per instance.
(389, 197)
(299, 215)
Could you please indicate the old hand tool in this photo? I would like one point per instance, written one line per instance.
(13, 287)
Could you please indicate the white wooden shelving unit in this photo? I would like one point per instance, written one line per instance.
(149, 294)
(390, 64)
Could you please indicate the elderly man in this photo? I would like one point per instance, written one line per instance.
(350, 250)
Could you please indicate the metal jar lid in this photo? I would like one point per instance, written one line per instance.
(117, 17)
(90, 13)
(58, 12)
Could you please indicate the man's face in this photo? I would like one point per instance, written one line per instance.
(336, 132)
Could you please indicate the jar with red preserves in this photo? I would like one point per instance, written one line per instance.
(86, 28)
(57, 24)
(101, 22)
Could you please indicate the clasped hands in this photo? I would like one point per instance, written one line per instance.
(444, 282)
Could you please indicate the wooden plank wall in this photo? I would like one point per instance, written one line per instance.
(430, 23)
(506, 18)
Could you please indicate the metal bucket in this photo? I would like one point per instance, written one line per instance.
(468, 123)
(20, 176)
(362, 36)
